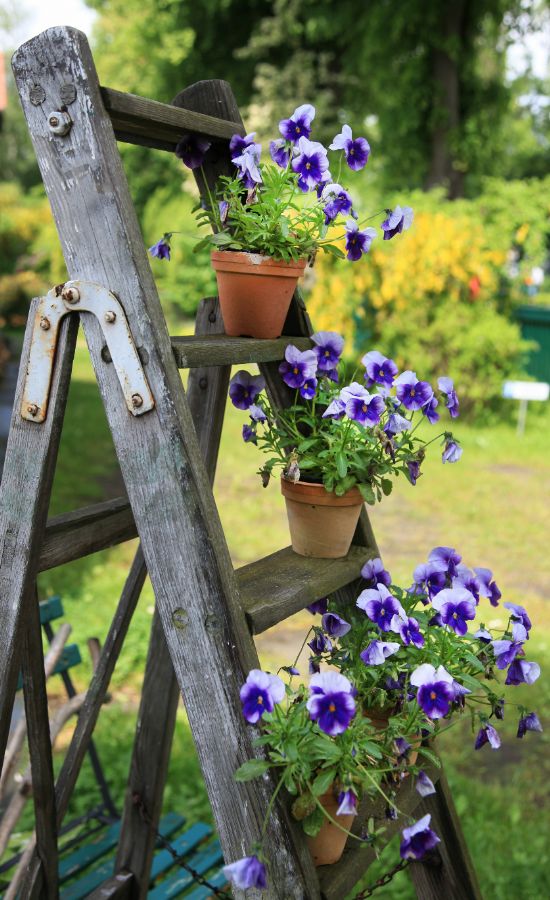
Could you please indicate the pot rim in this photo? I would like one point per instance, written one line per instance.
(316, 494)
(239, 260)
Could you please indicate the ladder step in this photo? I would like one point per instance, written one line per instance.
(83, 531)
(279, 585)
(337, 880)
(137, 120)
(222, 350)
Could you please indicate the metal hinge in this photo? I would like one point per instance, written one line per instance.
(82, 296)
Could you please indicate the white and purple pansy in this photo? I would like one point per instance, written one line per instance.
(435, 692)
(408, 630)
(519, 614)
(452, 451)
(380, 606)
(448, 556)
(456, 607)
(360, 406)
(337, 202)
(356, 150)
(192, 150)
(259, 694)
(522, 672)
(298, 367)
(487, 734)
(411, 392)
(347, 803)
(379, 369)
(418, 839)
(247, 873)
(298, 125)
(446, 386)
(424, 785)
(334, 625)
(530, 722)
(377, 652)
(487, 585)
(310, 164)
(238, 144)
(374, 572)
(280, 152)
(398, 220)
(358, 242)
(248, 162)
(328, 349)
(331, 702)
(161, 250)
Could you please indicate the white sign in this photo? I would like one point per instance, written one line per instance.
(526, 390)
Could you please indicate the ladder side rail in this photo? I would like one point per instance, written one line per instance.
(25, 490)
(87, 530)
(158, 452)
(206, 395)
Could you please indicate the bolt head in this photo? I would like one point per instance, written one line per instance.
(53, 121)
(110, 316)
(70, 295)
(44, 323)
(137, 401)
(32, 409)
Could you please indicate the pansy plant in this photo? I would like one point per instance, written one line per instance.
(361, 433)
(419, 656)
(292, 201)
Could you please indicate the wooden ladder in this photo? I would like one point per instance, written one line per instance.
(206, 613)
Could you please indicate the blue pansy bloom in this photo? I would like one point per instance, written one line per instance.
(448, 557)
(347, 803)
(320, 644)
(334, 625)
(378, 651)
(446, 386)
(430, 410)
(456, 606)
(527, 723)
(435, 690)
(280, 152)
(238, 144)
(379, 369)
(161, 250)
(380, 606)
(247, 873)
(522, 672)
(396, 424)
(328, 349)
(309, 389)
(320, 606)
(192, 150)
(430, 577)
(338, 202)
(260, 693)
(424, 785)
(506, 652)
(487, 734)
(299, 123)
(299, 366)
(248, 162)
(331, 703)
(374, 572)
(451, 452)
(487, 586)
(249, 434)
(358, 242)
(408, 630)
(418, 839)
(309, 164)
(411, 392)
(397, 221)
(362, 407)
(519, 614)
(245, 388)
(357, 151)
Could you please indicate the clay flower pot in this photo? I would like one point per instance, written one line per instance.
(255, 292)
(328, 845)
(321, 524)
(380, 721)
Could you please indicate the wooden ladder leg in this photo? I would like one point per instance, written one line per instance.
(448, 873)
(25, 490)
(168, 488)
(206, 395)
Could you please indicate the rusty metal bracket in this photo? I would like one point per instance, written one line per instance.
(82, 296)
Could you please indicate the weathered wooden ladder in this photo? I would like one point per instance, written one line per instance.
(167, 443)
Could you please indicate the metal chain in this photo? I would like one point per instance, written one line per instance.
(384, 879)
(178, 859)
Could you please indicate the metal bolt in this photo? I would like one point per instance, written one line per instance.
(212, 316)
(32, 409)
(70, 295)
(60, 122)
(45, 323)
(53, 122)
(137, 401)
(203, 382)
(110, 316)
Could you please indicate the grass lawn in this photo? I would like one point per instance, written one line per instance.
(492, 506)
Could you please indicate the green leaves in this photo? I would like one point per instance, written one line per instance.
(323, 782)
(253, 768)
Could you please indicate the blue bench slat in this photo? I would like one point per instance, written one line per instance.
(202, 893)
(101, 843)
(175, 884)
(182, 845)
(50, 609)
(69, 658)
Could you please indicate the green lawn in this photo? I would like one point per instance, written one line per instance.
(492, 506)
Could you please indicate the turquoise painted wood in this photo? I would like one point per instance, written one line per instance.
(50, 609)
(69, 658)
(176, 884)
(203, 893)
(186, 842)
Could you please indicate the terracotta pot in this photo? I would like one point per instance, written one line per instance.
(328, 845)
(380, 721)
(255, 292)
(321, 524)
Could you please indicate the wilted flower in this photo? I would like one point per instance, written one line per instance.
(320, 644)
(487, 735)
(320, 606)
(334, 625)
(192, 150)
(259, 694)
(238, 144)
(161, 250)
(413, 468)
(299, 123)
(397, 221)
(527, 723)
(246, 873)
(247, 163)
(506, 652)
(257, 414)
(446, 386)
(487, 586)
(378, 651)
(357, 151)
(331, 704)
(522, 671)
(418, 839)
(430, 410)
(424, 785)
(249, 434)
(519, 613)
(452, 452)
(347, 804)
(358, 242)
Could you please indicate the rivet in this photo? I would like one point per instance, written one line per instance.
(212, 317)
(60, 122)
(53, 121)
(44, 323)
(203, 382)
(32, 409)
(37, 94)
(110, 316)
(70, 295)
(137, 401)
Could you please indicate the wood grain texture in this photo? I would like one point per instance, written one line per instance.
(166, 481)
(135, 118)
(80, 532)
(119, 886)
(29, 466)
(448, 872)
(281, 584)
(40, 751)
(219, 350)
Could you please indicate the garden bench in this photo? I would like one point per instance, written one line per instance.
(167, 442)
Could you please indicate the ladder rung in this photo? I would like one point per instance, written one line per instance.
(338, 880)
(279, 585)
(222, 350)
(83, 531)
(137, 120)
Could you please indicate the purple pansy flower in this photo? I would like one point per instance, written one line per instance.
(238, 144)
(335, 410)
(347, 804)
(313, 666)
(299, 366)
(430, 577)
(527, 723)
(279, 152)
(521, 672)
(484, 636)
(244, 389)
(448, 556)
(257, 414)
(328, 349)
(357, 151)
(411, 392)
(487, 735)
(408, 630)
(246, 873)
(247, 163)
(338, 202)
(299, 123)
(374, 571)
(487, 586)
(435, 690)
(424, 785)
(364, 408)
(519, 614)
(397, 221)
(378, 651)
(418, 839)
(331, 703)
(455, 606)
(259, 694)
(380, 606)
(334, 625)
(161, 250)
(379, 369)
(395, 425)
(358, 242)
(429, 410)
(249, 434)
(320, 606)
(465, 578)
(506, 652)
(320, 644)
(451, 452)
(309, 389)
(446, 386)
(192, 149)
(309, 164)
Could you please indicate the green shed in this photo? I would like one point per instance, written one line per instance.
(535, 326)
